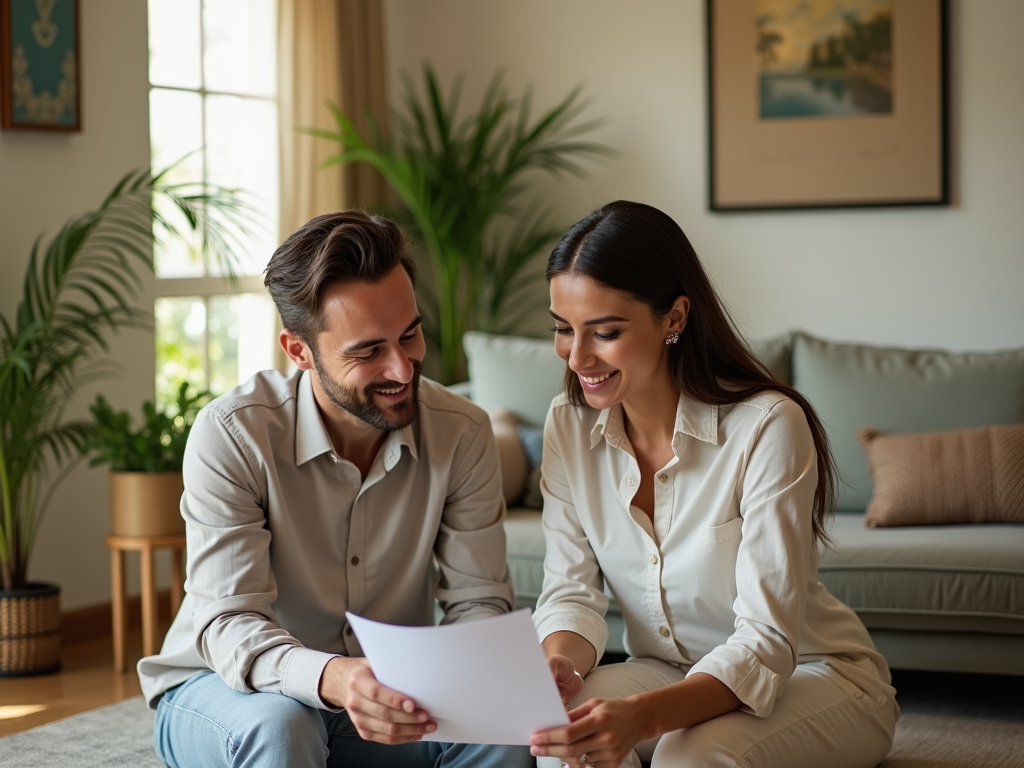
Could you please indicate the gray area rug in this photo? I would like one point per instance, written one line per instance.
(118, 736)
(948, 721)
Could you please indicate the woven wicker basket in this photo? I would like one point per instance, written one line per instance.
(30, 630)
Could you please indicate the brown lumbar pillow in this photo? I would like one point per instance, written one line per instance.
(961, 476)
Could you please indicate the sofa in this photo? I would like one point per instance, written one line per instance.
(938, 596)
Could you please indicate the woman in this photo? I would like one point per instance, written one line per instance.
(678, 473)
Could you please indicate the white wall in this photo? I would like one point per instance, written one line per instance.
(45, 178)
(949, 277)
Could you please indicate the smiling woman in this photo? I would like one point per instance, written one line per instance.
(681, 475)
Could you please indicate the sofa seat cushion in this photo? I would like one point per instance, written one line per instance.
(945, 578)
(524, 538)
(955, 578)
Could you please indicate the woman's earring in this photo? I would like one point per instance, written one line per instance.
(672, 338)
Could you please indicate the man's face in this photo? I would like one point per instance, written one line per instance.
(368, 360)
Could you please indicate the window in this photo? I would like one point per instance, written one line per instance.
(213, 89)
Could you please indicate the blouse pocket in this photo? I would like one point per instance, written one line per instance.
(713, 535)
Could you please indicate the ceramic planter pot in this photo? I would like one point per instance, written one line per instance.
(146, 503)
(30, 630)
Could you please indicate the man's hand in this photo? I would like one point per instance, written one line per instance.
(378, 713)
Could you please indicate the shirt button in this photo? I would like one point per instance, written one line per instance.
(663, 477)
(632, 481)
(663, 631)
(653, 559)
(354, 560)
(348, 631)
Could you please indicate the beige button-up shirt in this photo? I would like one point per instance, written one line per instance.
(725, 580)
(284, 536)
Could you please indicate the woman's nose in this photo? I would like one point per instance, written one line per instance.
(579, 355)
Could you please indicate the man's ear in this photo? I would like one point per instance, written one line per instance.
(679, 313)
(296, 349)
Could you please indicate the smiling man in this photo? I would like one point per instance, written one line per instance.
(350, 485)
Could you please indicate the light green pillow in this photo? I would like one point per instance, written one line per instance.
(900, 390)
(513, 372)
(777, 354)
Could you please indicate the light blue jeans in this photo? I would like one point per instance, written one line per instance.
(203, 723)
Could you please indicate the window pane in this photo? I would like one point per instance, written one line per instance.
(180, 329)
(241, 151)
(174, 57)
(241, 332)
(176, 130)
(241, 46)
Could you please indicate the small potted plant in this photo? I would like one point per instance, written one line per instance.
(145, 463)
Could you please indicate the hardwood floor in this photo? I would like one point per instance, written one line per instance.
(87, 680)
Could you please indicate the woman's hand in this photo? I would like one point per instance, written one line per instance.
(603, 732)
(567, 679)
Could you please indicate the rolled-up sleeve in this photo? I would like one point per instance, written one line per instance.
(774, 562)
(230, 579)
(470, 546)
(573, 597)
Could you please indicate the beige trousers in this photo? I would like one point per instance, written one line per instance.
(822, 720)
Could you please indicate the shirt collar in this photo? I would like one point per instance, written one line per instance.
(312, 440)
(693, 418)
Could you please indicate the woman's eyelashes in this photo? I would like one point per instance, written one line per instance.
(610, 336)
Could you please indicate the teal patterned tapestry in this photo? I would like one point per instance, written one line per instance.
(40, 77)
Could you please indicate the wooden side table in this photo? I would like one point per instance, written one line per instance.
(145, 545)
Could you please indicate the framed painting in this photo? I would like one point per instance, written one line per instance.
(40, 81)
(827, 103)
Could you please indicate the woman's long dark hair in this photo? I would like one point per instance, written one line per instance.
(641, 251)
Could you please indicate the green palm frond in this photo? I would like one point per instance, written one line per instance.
(79, 288)
(460, 181)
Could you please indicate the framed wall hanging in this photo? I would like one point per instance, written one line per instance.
(827, 103)
(40, 81)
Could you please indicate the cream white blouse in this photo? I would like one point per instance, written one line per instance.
(725, 581)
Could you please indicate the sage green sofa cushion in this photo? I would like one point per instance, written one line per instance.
(898, 390)
(948, 578)
(513, 372)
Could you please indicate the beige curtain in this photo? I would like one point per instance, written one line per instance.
(328, 51)
(363, 89)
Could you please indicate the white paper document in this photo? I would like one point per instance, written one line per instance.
(483, 682)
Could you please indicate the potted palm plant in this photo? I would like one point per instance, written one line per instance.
(78, 289)
(462, 183)
(145, 463)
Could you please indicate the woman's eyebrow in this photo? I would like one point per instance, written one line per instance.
(596, 321)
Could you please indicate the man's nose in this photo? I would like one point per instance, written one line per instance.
(398, 366)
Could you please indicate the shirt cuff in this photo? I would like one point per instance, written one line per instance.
(739, 670)
(301, 680)
(572, 618)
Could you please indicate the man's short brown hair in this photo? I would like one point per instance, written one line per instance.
(344, 247)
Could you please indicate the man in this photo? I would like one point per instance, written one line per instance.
(334, 489)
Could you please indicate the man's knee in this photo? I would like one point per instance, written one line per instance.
(284, 721)
(210, 725)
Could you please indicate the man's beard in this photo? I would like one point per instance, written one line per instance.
(361, 405)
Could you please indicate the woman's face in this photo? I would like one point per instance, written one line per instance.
(614, 344)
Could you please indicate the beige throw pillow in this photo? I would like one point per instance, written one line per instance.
(514, 465)
(960, 476)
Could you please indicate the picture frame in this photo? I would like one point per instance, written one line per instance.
(810, 106)
(40, 65)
